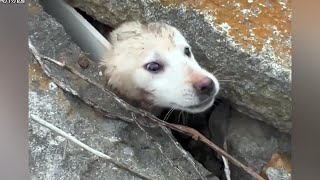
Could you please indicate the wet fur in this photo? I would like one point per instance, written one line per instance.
(133, 45)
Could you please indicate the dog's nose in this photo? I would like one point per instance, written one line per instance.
(205, 86)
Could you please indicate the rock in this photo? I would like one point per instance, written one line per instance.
(253, 143)
(149, 151)
(279, 163)
(248, 42)
(278, 174)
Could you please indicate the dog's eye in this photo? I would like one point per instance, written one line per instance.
(153, 67)
(187, 51)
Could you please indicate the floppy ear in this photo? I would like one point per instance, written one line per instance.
(126, 31)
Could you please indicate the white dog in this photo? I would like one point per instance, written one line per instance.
(153, 65)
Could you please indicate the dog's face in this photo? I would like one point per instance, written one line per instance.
(154, 63)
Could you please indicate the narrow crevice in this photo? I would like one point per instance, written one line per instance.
(214, 127)
(216, 132)
(102, 28)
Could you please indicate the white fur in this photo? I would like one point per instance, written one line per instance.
(134, 45)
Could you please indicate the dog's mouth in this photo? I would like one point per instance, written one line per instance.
(200, 107)
(201, 104)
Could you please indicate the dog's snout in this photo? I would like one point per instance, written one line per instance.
(205, 86)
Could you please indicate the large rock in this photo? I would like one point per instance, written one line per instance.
(148, 151)
(253, 143)
(249, 40)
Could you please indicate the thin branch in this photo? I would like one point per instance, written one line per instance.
(86, 147)
(179, 128)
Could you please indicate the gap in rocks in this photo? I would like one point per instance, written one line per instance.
(102, 28)
(213, 124)
(249, 140)
(213, 127)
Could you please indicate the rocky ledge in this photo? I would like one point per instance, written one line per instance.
(151, 152)
(247, 42)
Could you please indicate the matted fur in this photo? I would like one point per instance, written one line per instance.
(134, 45)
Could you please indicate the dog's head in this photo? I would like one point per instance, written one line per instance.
(154, 63)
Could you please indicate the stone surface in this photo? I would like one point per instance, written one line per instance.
(253, 143)
(249, 40)
(149, 151)
(278, 174)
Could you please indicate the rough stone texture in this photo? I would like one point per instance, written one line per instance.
(249, 40)
(278, 174)
(150, 151)
(253, 143)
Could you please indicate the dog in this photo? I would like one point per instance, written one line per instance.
(152, 66)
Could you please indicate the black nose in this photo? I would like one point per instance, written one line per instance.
(205, 87)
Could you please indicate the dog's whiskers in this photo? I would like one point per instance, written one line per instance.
(224, 76)
(219, 69)
(179, 116)
(169, 113)
(227, 80)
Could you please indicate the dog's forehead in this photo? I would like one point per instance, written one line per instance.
(162, 30)
(177, 38)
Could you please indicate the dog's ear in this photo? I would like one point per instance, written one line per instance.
(126, 31)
